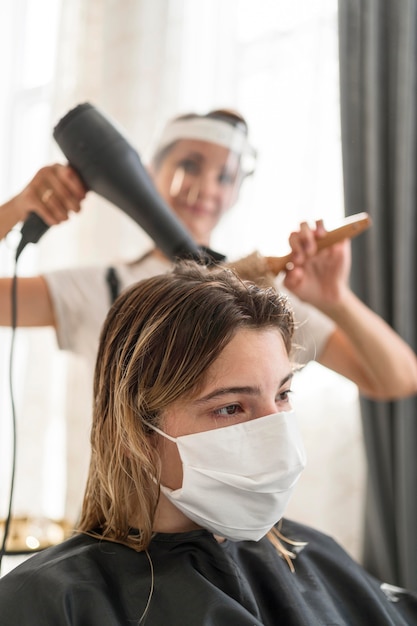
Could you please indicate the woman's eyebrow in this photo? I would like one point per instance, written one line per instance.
(194, 155)
(222, 391)
(247, 390)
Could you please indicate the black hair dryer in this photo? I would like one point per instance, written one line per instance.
(109, 165)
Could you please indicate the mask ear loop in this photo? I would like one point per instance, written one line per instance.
(161, 432)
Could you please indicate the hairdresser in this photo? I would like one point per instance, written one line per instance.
(195, 455)
(198, 166)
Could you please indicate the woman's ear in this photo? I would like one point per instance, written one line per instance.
(153, 438)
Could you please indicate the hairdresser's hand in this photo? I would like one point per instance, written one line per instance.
(53, 193)
(319, 278)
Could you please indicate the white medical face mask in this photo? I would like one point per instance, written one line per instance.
(237, 480)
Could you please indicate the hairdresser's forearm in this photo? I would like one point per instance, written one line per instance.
(10, 215)
(373, 355)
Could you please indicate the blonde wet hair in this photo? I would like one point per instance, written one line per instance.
(157, 343)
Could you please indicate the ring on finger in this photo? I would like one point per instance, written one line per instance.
(46, 195)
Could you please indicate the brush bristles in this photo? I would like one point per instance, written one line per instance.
(255, 268)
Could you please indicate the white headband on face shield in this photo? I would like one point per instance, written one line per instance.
(210, 130)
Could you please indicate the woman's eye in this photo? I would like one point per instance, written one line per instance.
(226, 178)
(284, 396)
(230, 409)
(190, 167)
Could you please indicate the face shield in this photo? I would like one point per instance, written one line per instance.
(201, 162)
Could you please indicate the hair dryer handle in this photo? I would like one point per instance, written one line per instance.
(32, 230)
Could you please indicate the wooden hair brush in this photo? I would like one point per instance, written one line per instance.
(262, 270)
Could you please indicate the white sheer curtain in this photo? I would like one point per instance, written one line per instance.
(142, 61)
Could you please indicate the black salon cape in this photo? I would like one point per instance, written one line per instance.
(198, 582)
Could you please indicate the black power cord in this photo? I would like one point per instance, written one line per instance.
(3, 549)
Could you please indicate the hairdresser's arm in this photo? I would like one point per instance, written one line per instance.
(34, 302)
(363, 347)
(53, 193)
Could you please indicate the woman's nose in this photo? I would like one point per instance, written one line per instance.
(208, 185)
(203, 188)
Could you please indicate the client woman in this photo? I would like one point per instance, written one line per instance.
(195, 454)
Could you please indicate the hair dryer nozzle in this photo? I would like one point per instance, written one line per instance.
(109, 165)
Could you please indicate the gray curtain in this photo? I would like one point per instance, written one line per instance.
(378, 77)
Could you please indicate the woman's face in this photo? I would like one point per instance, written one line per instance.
(251, 378)
(200, 181)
